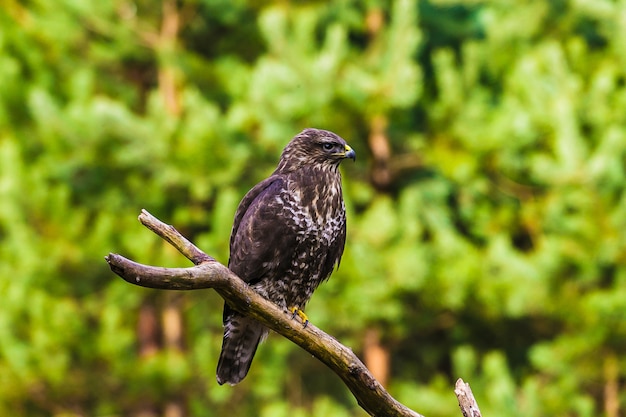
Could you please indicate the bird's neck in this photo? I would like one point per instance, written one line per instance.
(295, 166)
(318, 189)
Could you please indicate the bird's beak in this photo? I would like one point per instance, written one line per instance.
(349, 153)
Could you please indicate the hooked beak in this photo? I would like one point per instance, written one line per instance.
(349, 153)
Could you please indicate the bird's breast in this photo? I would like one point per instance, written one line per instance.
(316, 213)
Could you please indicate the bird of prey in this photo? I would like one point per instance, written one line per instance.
(288, 234)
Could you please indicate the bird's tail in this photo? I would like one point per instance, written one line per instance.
(241, 338)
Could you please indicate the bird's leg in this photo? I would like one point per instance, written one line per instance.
(297, 312)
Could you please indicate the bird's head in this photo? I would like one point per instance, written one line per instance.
(315, 147)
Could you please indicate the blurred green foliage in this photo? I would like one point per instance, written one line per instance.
(491, 249)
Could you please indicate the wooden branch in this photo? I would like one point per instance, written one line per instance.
(467, 402)
(208, 273)
(174, 238)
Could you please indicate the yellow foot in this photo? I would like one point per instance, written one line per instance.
(297, 312)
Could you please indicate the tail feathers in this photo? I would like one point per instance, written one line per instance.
(241, 338)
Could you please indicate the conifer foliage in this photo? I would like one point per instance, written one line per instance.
(486, 213)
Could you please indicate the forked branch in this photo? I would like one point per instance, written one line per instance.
(208, 273)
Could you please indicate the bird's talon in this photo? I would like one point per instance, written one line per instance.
(297, 312)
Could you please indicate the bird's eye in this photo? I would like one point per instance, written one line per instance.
(327, 146)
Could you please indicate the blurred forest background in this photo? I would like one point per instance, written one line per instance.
(486, 210)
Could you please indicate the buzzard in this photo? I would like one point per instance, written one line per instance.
(288, 234)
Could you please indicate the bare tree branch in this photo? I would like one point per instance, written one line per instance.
(174, 238)
(208, 273)
(467, 402)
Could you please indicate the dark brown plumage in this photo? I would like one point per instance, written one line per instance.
(288, 234)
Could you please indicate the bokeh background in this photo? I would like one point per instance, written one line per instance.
(486, 210)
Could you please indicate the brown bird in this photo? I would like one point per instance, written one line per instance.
(288, 234)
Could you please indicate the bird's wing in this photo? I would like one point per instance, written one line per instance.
(262, 240)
